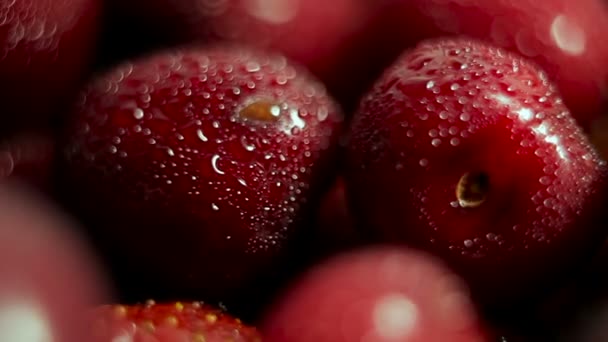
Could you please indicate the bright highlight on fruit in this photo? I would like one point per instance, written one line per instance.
(467, 151)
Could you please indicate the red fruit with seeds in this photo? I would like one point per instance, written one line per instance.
(562, 36)
(197, 165)
(171, 322)
(467, 151)
(381, 294)
(45, 46)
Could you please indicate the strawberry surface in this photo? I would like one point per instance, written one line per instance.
(168, 322)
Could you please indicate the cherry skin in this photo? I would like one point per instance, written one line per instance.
(48, 277)
(196, 166)
(467, 151)
(28, 158)
(45, 50)
(307, 31)
(379, 294)
(563, 37)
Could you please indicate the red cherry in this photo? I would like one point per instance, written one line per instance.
(563, 37)
(47, 277)
(379, 295)
(196, 165)
(467, 151)
(170, 322)
(309, 32)
(28, 157)
(45, 47)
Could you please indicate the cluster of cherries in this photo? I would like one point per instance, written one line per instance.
(370, 171)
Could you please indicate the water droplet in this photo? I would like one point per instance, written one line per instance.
(138, 113)
(468, 243)
(214, 207)
(322, 114)
(424, 162)
(436, 142)
(214, 161)
(201, 135)
(249, 147)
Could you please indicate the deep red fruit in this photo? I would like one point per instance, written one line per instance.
(564, 37)
(47, 277)
(467, 151)
(28, 158)
(377, 295)
(45, 46)
(308, 31)
(197, 164)
(171, 322)
(335, 227)
(599, 135)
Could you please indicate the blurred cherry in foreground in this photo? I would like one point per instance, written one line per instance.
(47, 279)
(379, 295)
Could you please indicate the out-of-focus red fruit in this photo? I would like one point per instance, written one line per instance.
(568, 39)
(45, 48)
(310, 32)
(171, 322)
(467, 151)
(197, 165)
(47, 278)
(28, 158)
(379, 295)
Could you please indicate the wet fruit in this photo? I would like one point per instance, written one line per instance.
(467, 151)
(560, 35)
(28, 157)
(307, 31)
(168, 322)
(45, 48)
(197, 165)
(381, 294)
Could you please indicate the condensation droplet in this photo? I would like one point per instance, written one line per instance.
(138, 113)
(214, 161)
(201, 135)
